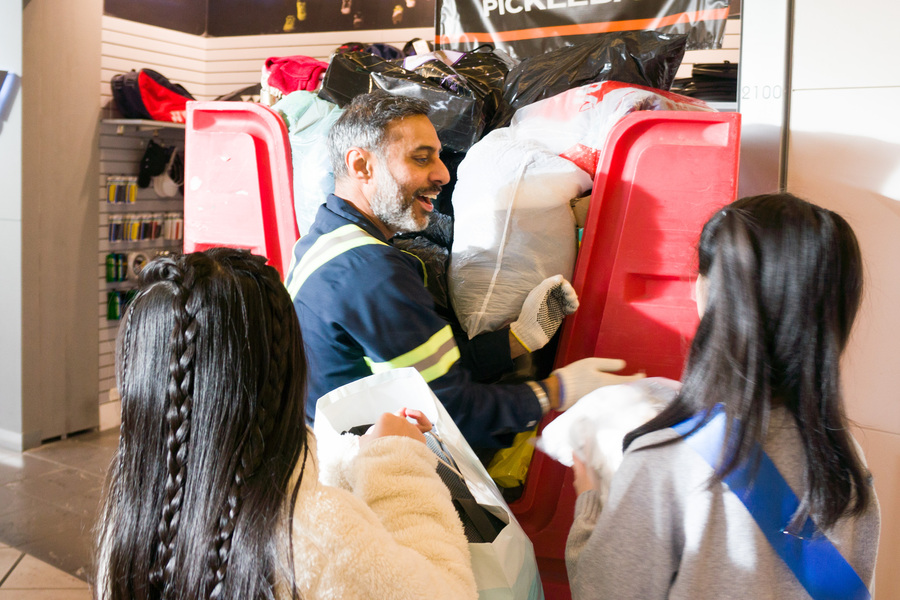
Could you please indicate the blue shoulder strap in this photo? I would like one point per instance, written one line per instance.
(817, 564)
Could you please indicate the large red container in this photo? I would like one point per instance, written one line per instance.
(238, 188)
(662, 174)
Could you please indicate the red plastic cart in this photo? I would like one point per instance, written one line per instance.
(661, 175)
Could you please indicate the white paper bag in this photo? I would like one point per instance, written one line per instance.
(506, 568)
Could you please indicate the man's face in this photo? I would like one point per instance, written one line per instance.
(408, 175)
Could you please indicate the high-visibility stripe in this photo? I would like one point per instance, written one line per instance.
(717, 14)
(431, 359)
(326, 248)
(422, 263)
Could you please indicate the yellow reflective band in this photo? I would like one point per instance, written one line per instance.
(421, 262)
(431, 359)
(442, 366)
(326, 248)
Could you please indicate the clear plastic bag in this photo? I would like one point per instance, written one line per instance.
(456, 114)
(514, 227)
(309, 119)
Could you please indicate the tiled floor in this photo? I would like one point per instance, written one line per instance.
(48, 504)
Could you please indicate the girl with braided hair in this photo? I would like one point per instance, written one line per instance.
(213, 492)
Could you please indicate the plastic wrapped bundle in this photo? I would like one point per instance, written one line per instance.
(513, 227)
(309, 119)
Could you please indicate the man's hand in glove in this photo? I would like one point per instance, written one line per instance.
(583, 377)
(543, 312)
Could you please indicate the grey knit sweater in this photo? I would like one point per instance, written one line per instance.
(665, 534)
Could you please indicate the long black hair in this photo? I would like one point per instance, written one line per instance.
(211, 370)
(784, 282)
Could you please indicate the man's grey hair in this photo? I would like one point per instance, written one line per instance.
(364, 122)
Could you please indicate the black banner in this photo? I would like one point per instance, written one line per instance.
(525, 28)
(256, 17)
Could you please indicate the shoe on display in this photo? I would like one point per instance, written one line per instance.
(410, 3)
(357, 20)
(290, 23)
(345, 7)
(397, 16)
(301, 10)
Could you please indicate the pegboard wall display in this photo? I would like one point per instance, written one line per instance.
(141, 215)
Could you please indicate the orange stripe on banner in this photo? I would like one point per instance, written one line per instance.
(585, 28)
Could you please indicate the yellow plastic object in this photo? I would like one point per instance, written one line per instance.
(510, 465)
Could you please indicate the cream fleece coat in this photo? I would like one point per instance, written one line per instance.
(394, 534)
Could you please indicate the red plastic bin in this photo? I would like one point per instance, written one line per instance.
(238, 181)
(662, 174)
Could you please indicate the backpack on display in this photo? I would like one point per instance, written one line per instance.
(146, 94)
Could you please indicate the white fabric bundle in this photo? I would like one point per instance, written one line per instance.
(594, 428)
(513, 227)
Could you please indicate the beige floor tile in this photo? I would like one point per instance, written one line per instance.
(33, 574)
(8, 557)
(84, 594)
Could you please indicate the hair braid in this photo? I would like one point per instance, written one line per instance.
(178, 419)
(259, 428)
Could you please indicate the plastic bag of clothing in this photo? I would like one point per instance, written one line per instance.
(504, 566)
(513, 227)
(594, 428)
(432, 246)
(575, 123)
(309, 119)
(456, 115)
(644, 58)
(482, 71)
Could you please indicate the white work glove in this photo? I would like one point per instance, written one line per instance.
(543, 312)
(586, 375)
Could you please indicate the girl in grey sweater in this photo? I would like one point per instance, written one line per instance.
(779, 287)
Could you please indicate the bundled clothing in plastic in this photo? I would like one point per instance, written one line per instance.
(513, 227)
(513, 223)
(309, 119)
(464, 91)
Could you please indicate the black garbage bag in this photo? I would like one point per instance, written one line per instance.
(645, 58)
(482, 71)
(432, 246)
(457, 114)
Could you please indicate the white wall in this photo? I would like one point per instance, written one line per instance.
(61, 58)
(844, 153)
(11, 234)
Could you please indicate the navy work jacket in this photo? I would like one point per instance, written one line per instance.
(363, 308)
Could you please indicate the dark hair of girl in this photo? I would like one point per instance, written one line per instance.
(784, 282)
(211, 370)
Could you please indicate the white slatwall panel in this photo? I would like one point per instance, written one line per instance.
(127, 45)
(730, 51)
(211, 67)
(236, 62)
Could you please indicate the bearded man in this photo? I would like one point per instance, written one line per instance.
(362, 303)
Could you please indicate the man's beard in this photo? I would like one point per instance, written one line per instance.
(392, 207)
